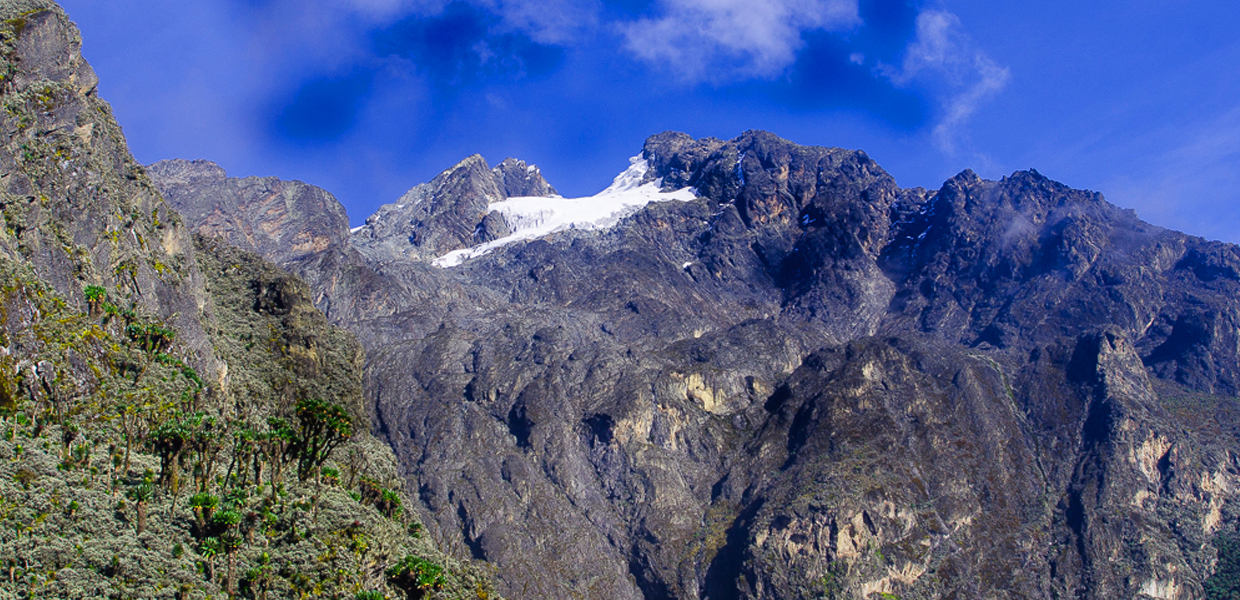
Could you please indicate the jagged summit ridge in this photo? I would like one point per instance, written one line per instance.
(519, 179)
(430, 220)
(528, 218)
(450, 212)
(806, 381)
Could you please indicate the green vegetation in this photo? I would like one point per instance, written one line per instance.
(1225, 583)
(324, 426)
(124, 475)
(156, 400)
(831, 583)
(416, 576)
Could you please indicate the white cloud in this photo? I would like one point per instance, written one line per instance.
(726, 39)
(547, 21)
(943, 56)
(544, 21)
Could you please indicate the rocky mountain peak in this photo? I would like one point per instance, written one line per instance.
(179, 171)
(466, 181)
(516, 179)
(283, 220)
(450, 212)
(805, 381)
(768, 178)
(676, 156)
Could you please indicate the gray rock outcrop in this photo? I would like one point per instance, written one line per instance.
(810, 382)
(516, 178)
(77, 208)
(450, 212)
(130, 346)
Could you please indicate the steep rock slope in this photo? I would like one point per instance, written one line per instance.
(517, 178)
(76, 205)
(809, 382)
(305, 230)
(322, 223)
(450, 212)
(177, 420)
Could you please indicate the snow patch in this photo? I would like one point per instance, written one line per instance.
(533, 217)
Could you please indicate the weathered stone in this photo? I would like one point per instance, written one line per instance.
(516, 178)
(809, 382)
(433, 218)
(127, 345)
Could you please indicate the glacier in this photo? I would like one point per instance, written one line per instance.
(531, 217)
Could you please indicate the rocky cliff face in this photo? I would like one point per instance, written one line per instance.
(322, 225)
(76, 206)
(807, 383)
(449, 213)
(518, 179)
(176, 417)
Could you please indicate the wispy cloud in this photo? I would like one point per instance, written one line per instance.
(1183, 176)
(557, 22)
(298, 40)
(733, 39)
(544, 21)
(942, 56)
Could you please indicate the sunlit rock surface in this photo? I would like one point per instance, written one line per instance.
(802, 382)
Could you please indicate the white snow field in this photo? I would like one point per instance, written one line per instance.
(533, 217)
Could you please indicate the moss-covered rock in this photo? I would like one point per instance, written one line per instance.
(175, 422)
(99, 414)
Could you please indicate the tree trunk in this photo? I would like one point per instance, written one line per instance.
(141, 517)
(232, 574)
(128, 443)
(174, 473)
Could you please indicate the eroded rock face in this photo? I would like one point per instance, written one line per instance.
(450, 212)
(808, 382)
(120, 337)
(283, 220)
(77, 208)
(517, 178)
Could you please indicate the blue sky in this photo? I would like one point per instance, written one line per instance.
(1139, 100)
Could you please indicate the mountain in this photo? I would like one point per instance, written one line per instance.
(449, 213)
(177, 419)
(762, 370)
